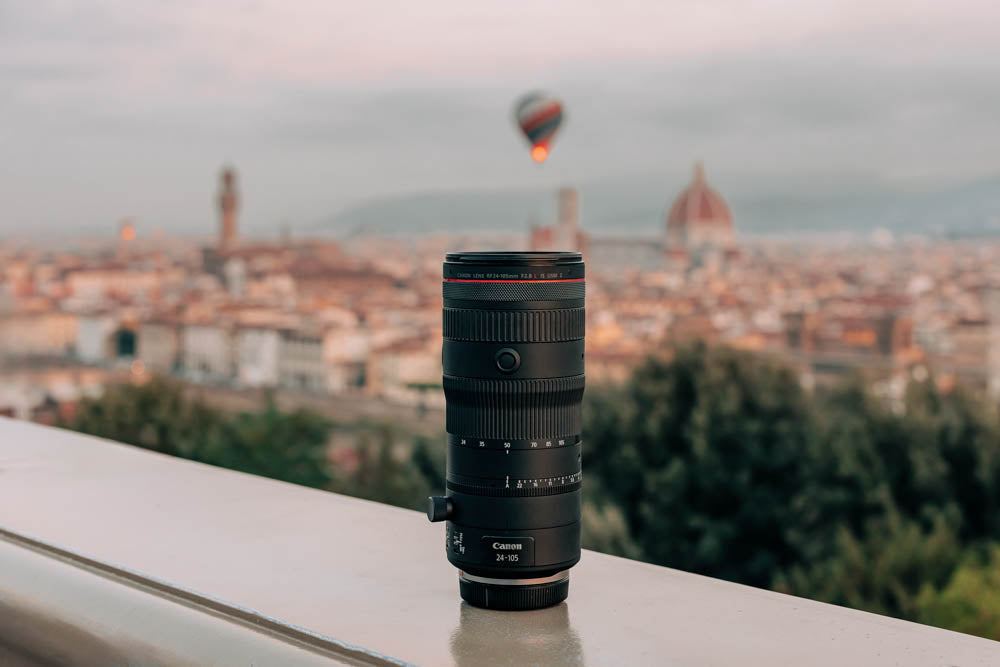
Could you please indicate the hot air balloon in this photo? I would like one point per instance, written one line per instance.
(539, 117)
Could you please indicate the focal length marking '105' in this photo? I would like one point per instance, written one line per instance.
(513, 379)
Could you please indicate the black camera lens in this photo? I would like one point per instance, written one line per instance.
(513, 381)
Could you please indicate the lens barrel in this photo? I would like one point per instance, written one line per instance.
(513, 362)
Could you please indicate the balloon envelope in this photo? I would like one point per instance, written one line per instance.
(539, 117)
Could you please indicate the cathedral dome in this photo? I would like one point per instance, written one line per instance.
(699, 216)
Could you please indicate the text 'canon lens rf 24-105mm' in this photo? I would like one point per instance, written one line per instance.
(513, 380)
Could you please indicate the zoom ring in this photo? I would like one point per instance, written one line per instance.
(514, 326)
(555, 290)
(513, 408)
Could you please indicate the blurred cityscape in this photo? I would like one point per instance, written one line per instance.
(360, 318)
(224, 227)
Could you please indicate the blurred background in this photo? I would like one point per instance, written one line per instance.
(223, 225)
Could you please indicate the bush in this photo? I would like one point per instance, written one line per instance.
(157, 416)
(970, 601)
(704, 455)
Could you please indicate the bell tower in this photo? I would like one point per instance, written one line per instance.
(229, 201)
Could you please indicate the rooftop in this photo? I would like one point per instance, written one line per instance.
(110, 553)
(699, 204)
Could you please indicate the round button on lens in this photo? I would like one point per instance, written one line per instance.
(508, 360)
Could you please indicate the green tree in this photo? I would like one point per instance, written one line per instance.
(721, 464)
(704, 456)
(882, 571)
(385, 475)
(286, 446)
(155, 415)
(935, 453)
(428, 458)
(907, 489)
(970, 601)
(954, 445)
(604, 529)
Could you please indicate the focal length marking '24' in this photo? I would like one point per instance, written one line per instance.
(507, 445)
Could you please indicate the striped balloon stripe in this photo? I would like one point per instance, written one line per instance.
(534, 105)
(538, 114)
(530, 104)
(544, 131)
(544, 116)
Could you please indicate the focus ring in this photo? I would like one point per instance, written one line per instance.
(494, 291)
(514, 326)
(517, 409)
(513, 492)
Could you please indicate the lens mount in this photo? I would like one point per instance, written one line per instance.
(513, 594)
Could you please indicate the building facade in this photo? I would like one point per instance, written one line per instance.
(257, 350)
(300, 361)
(207, 353)
(93, 338)
(43, 334)
(159, 346)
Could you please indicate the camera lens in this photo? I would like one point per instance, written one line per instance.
(513, 381)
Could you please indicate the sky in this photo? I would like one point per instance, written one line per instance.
(125, 108)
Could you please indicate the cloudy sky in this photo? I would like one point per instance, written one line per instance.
(114, 108)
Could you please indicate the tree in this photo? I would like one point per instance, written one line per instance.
(386, 476)
(939, 453)
(604, 529)
(970, 601)
(428, 459)
(720, 464)
(704, 456)
(881, 571)
(286, 446)
(155, 415)
(906, 490)
(954, 445)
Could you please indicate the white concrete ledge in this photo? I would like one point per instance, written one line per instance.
(253, 570)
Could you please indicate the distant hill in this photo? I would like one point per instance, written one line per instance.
(968, 210)
(639, 208)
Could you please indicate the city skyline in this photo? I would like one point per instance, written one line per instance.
(121, 111)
